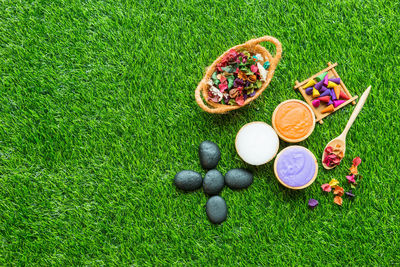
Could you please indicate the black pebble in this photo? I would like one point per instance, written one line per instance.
(213, 182)
(209, 155)
(188, 180)
(216, 209)
(238, 178)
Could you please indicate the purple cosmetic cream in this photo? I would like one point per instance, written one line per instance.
(296, 167)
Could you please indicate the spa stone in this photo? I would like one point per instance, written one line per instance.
(216, 209)
(209, 155)
(238, 178)
(188, 180)
(213, 182)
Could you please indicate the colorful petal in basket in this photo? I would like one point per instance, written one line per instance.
(253, 46)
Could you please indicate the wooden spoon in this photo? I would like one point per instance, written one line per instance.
(341, 139)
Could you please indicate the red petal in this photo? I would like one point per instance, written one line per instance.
(328, 149)
(356, 161)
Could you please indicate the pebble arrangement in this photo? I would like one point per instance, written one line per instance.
(325, 90)
(213, 182)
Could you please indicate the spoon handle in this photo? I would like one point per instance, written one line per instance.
(357, 110)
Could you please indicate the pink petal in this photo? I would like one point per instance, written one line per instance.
(223, 87)
(351, 179)
(253, 68)
(239, 100)
(326, 187)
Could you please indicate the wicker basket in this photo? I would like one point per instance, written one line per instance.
(253, 47)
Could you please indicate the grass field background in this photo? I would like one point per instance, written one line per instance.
(97, 115)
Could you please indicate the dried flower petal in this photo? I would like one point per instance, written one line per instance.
(338, 200)
(333, 182)
(233, 93)
(331, 156)
(236, 70)
(356, 161)
(223, 86)
(242, 75)
(328, 149)
(254, 68)
(350, 179)
(312, 203)
(338, 191)
(350, 194)
(238, 83)
(252, 78)
(326, 187)
(239, 100)
(214, 94)
(353, 170)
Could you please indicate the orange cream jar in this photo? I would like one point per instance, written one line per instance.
(293, 120)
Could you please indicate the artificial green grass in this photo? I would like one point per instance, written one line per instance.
(97, 114)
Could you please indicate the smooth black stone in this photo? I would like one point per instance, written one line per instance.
(188, 180)
(216, 209)
(238, 178)
(213, 182)
(209, 155)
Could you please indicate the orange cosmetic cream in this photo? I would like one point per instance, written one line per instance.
(293, 120)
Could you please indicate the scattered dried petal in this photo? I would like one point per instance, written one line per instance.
(333, 182)
(350, 179)
(326, 187)
(350, 194)
(312, 203)
(338, 200)
(356, 161)
(353, 170)
(338, 191)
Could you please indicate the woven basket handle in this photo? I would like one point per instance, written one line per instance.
(273, 40)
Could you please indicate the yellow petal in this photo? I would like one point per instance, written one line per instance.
(333, 182)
